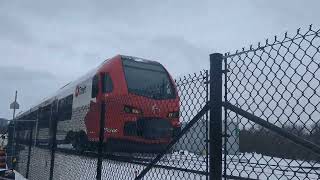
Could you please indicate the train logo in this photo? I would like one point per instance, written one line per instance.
(155, 109)
(80, 90)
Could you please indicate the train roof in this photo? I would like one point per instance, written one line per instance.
(65, 90)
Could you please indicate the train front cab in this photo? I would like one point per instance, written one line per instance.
(142, 105)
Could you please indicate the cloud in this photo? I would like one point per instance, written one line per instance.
(175, 52)
(13, 74)
(14, 30)
(44, 44)
(32, 86)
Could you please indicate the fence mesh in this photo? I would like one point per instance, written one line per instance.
(278, 82)
(188, 159)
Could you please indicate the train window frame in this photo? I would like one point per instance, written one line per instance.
(95, 86)
(107, 83)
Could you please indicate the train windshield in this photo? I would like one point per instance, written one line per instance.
(148, 79)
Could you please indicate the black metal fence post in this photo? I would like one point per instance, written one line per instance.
(215, 131)
(101, 138)
(9, 146)
(52, 135)
(29, 150)
(207, 125)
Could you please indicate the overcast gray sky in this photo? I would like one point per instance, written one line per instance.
(45, 44)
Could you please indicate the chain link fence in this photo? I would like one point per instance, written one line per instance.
(254, 116)
(277, 81)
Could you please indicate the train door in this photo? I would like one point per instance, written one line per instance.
(92, 117)
(101, 84)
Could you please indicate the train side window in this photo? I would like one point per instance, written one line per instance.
(95, 86)
(65, 108)
(45, 116)
(107, 83)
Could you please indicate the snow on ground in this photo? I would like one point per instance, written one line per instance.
(18, 176)
(247, 165)
(257, 166)
(65, 146)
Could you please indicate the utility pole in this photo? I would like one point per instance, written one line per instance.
(14, 106)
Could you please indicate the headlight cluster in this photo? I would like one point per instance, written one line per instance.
(132, 110)
(173, 114)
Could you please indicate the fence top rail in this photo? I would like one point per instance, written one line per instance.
(191, 78)
(286, 38)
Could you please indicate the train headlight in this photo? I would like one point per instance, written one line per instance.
(132, 110)
(173, 114)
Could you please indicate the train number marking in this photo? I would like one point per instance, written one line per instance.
(111, 130)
